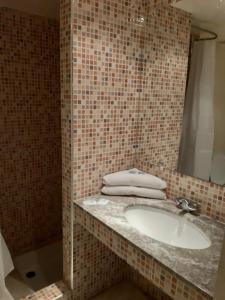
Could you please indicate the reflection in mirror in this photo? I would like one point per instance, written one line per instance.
(202, 148)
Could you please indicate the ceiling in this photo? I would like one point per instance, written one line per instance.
(46, 8)
(207, 13)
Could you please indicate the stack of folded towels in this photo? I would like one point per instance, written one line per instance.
(134, 183)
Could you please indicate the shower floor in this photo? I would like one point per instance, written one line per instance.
(35, 270)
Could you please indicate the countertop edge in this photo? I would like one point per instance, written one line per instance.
(206, 293)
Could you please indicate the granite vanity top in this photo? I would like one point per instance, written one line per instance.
(198, 267)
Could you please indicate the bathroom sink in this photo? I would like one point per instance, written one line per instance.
(166, 227)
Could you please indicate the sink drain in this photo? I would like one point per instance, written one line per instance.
(30, 274)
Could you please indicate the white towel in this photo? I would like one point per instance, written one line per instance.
(133, 191)
(134, 177)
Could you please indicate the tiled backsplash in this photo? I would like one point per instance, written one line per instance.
(30, 164)
(210, 196)
(129, 84)
(106, 83)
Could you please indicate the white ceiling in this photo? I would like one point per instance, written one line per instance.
(46, 8)
(209, 14)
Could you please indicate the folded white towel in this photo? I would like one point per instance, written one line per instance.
(133, 191)
(134, 177)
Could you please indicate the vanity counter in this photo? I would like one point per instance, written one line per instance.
(195, 267)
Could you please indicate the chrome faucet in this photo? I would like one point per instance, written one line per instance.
(187, 205)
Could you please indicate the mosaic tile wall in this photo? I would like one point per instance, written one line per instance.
(210, 196)
(106, 81)
(108, 74)
(126, 81)
(66, 113)
(30, 148)
(96, 267)
(108, 70)
(145, 285)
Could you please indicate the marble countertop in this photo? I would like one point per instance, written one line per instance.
(198, 267)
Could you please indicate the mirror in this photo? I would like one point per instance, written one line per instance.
(202, 146)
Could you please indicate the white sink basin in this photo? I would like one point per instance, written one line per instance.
(167, 227)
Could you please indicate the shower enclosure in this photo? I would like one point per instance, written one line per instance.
(30, 165)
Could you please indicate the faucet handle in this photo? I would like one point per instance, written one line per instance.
(195, 207)
(182, 200)
(187, 205)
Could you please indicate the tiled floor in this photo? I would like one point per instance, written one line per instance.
(123, 291)
(55, 291)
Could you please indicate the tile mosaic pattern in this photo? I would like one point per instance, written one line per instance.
(149, 268)
(145, 285)
(96, 267)
(52, 292)
(103, 263)
(106, 86)
(66, 113)
(128, 86)
(116, 68)
(210, 196)
(30, 149)
(106, 81)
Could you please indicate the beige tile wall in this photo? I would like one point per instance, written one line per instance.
(30, 144)
(96, 267)
(66, 119)
(106, 83)
(127, 102)
(110, 58)
(211, 197)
